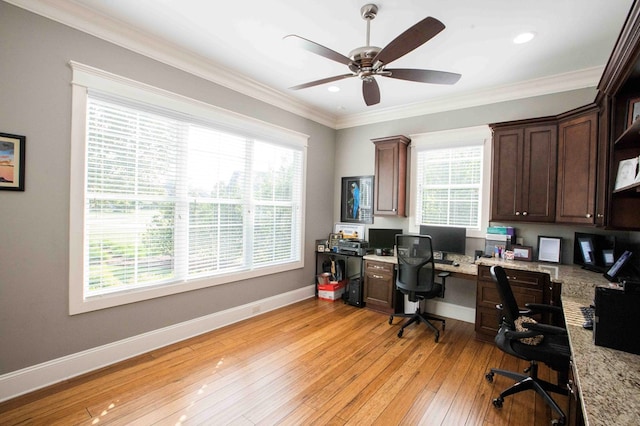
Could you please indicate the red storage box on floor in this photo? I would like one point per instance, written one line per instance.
(332, 291)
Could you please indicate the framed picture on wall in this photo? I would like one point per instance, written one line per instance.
(357, 199)
(12, 162)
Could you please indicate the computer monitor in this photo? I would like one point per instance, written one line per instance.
(447, 239)
(383, 238)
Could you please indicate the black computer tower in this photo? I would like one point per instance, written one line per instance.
(617, 315)
(353, 295)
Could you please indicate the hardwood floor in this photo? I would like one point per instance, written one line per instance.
(314, 362)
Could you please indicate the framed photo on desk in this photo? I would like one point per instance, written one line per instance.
(549, 249)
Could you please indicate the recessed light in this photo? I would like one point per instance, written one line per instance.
(524, 38)
(333, 89)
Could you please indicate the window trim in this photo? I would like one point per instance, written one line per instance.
(87, 78)
(454, 138)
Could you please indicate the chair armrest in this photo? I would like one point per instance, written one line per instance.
(545, 329)
(517, 335)
(541, 307)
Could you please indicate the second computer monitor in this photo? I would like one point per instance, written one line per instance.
(446, 238)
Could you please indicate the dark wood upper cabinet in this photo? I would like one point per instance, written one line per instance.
(524, 171)
(577, 166)
(620, 83)
(390, 176)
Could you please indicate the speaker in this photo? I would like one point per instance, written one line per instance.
(353, 295)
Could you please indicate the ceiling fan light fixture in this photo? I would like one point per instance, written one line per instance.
(367, 62)
(524, 37)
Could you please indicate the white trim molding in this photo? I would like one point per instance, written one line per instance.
(48, 373)
(74, 15)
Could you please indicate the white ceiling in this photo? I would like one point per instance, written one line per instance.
(240, 44)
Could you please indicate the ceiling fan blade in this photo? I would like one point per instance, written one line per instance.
(323, 81)
(318, 49)
(415, 36)
(424, 76)
(370, 91)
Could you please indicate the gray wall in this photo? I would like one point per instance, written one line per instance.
(36, 102)
(356, 143)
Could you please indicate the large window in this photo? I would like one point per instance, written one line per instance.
(448, 181)
(176, 198)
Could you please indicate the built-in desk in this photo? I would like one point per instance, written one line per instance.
(608, 380)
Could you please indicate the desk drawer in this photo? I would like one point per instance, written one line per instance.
(527, 287)
(379, 267)
(516, 277)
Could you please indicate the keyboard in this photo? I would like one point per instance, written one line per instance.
(443, 261)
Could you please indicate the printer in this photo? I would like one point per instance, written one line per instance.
(616, 322)
(352, 247)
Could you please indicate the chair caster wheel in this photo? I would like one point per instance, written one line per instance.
(558, 422)
(400, 333)
(498, 402)
(489, 377)
(391, 320)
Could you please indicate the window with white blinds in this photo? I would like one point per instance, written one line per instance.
(174, 201)
(449, 186)
(450, 178)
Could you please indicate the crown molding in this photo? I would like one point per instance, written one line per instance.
(75, 16)
(105, 28)
(580, 79)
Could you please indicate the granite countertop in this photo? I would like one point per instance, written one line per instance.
(608, 379)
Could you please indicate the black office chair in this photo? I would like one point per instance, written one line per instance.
(553, 349)
(416, 278)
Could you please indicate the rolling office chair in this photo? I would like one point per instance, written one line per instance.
(416, 278)
(553, 349)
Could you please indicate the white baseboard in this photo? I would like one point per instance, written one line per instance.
(449, 310)
(38, 376)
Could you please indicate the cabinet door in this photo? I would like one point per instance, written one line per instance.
(379, 286)
(524, 173)
(508, 147)
(577, 161)
(390, 176)
(539, 175)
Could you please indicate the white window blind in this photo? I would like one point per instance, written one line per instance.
(170, 199)
(450, 177)
(449, 183)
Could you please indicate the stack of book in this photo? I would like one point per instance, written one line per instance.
(498, 240)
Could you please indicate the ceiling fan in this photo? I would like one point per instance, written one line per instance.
(366, 62)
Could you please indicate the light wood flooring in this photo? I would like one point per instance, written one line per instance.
(311, 363)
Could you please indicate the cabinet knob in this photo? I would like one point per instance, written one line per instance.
(588, 215)
(600, 215)
(524, 213)
(377, 276)
(517, 213)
